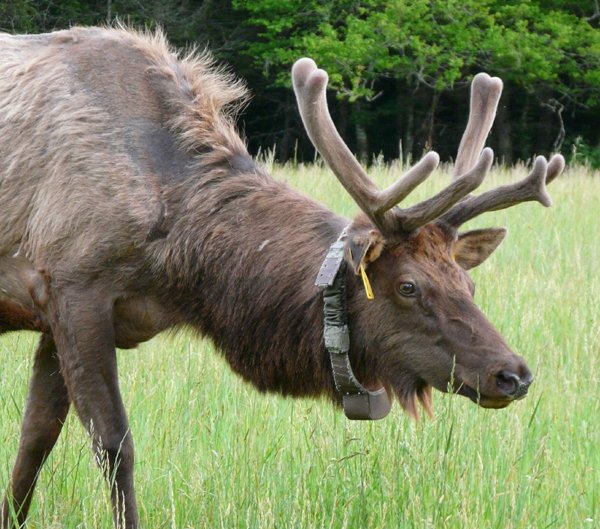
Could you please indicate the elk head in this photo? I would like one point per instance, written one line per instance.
(423, 328)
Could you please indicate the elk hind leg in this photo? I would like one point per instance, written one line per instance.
(45, 412)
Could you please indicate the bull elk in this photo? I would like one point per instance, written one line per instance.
(130, 205)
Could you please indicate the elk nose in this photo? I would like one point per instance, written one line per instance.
(512, 385)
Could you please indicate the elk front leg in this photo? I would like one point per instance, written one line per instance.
(45, 412)
(83, 330)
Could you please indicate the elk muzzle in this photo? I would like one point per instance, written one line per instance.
(512, 384)
(499, 388)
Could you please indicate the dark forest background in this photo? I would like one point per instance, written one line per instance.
(399, 69)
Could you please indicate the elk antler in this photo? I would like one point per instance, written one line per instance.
(309, 85)
(485, 94)
(532, 187)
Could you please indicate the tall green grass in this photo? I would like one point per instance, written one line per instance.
(213, 453)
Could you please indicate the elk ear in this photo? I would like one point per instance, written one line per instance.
(474, 247)
(364, 249)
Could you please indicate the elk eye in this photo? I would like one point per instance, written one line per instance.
(407, 289)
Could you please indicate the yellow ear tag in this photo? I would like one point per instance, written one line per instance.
(365, 278)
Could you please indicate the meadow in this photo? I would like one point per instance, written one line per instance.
(211, 452)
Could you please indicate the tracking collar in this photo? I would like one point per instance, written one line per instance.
(359, 403)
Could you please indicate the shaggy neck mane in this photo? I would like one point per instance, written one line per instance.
(242, 250)
(248, 248)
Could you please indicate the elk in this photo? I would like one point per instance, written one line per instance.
(130, 205)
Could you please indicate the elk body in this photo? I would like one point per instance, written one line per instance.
(129, 205)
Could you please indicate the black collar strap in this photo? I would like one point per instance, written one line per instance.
(359, 403)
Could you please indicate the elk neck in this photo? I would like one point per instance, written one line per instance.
(242, 257)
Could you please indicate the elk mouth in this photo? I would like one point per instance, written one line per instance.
(482, 400)
(497, 390)
(411, 390)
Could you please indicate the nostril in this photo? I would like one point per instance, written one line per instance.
(527, 380)
(510, 383)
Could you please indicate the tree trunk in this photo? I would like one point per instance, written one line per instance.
(342, 122)
(431, 119)
(524, 144)
(504, 131)
(362, 144)
(284, 144)
(405, 127)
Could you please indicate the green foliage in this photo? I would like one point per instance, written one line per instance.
(584, 154)
(434, 43)
(539, 48)
(356, 43)
(17, 16)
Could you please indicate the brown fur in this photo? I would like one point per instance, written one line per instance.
(134, 207)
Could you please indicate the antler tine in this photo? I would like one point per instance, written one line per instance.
(555, 167)
(532, 187)
(430, 209)
(485, 95)
(309, 85)
(402, 187)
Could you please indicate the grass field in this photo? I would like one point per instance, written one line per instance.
(213, 453)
